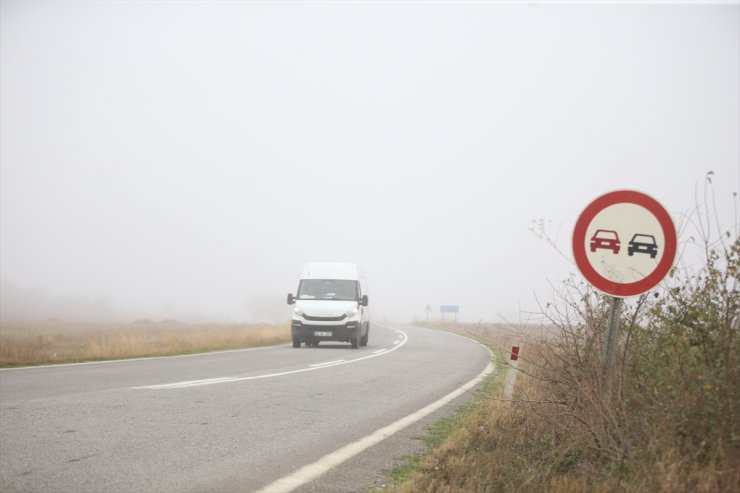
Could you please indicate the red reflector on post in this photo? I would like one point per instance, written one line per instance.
(514, 353)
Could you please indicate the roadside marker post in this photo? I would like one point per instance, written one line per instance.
(510, 380)
(617, 269)
(514, 353)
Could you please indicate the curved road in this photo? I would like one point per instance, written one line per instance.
(230, 421)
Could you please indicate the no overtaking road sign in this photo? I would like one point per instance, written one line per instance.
(624, 243)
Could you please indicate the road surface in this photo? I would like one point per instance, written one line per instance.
(229, 421)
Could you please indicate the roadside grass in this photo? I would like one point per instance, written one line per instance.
(494, 445)
(444, 429)
(53, 342)
(526, 444)
(665, 418)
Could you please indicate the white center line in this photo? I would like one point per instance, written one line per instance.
(212, 381)
(329, 363)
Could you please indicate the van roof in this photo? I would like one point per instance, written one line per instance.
(330, 270)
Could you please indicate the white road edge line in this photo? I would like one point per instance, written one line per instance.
(312, 471)
(213, 381)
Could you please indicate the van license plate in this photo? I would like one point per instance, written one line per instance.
(322, 334)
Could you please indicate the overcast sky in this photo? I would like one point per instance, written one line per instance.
(185, 159)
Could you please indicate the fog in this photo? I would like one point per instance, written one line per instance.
(185, 159)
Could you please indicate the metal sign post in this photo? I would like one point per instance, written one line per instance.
(612, 333)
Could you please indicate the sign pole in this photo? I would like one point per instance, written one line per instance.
(612, 333)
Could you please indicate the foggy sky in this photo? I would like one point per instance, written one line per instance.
(185, 159)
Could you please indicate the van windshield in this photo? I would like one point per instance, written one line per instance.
(327, 289)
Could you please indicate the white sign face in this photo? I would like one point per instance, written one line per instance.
(631, 225)
(624, 243)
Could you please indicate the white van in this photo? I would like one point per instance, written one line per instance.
(330, 305)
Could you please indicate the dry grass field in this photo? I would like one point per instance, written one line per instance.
(498, 335)
(35, 343)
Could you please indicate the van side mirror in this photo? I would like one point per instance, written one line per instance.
(291, 300)
(363, 300)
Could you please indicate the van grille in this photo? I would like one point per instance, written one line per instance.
(325, 319)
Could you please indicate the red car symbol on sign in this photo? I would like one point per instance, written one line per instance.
(606, 239)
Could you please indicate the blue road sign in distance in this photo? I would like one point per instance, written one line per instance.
(449, 309)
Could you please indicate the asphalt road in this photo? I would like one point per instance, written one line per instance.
(228, 421)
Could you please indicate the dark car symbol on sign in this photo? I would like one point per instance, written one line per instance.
(605, 239)
(641, 243)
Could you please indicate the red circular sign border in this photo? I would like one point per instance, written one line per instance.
(623, 290)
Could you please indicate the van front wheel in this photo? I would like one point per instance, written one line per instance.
(296, 342)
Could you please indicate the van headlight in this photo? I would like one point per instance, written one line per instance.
(298, 311)
(351, 313)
